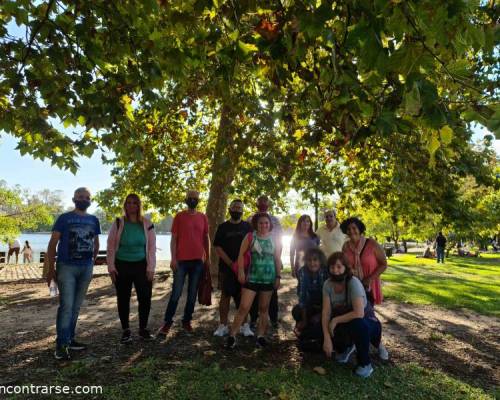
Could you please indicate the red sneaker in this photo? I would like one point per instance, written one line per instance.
(187, 326)
(165, 328)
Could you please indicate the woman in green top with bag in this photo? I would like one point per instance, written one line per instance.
(131, 258)
(263, 276)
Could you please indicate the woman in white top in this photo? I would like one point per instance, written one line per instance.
(27, 253)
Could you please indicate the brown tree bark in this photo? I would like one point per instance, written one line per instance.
(224, 167)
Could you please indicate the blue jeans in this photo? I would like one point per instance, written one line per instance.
(361, 332)
(73, 282)
(194, 270)
(440, 253)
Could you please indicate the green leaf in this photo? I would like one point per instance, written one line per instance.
(446, 134)
(247, 48)
(432, 146)
(69, 122)
(412, 100)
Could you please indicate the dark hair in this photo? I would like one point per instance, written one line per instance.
(310, 231)
(338, 255)
(353, 220)
(27, 244)
(256, 217)
(316, 252)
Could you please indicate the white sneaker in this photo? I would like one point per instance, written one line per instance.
(382, 352)
(245, 330)
(222, 330)
(364, 372)
(343, 358)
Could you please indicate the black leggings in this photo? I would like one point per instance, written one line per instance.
(133, 272)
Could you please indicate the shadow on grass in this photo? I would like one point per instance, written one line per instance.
(436, 352)
(406, 283)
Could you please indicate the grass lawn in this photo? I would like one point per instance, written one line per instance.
(202, 379)
(472, 283)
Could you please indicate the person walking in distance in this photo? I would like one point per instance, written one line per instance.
(14, 248)
(440, 247)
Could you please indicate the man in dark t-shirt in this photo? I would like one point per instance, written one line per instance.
(440, 246)
(227, 243)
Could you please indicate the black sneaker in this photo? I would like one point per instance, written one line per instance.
(62, 353)
(230, 342)
(261, 341)
(145, 334)
(126, 336)
(77, 346)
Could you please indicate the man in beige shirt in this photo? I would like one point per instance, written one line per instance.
(331, 237)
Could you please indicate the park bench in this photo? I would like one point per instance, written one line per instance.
(101, 258)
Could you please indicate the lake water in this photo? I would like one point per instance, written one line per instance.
(39, 242)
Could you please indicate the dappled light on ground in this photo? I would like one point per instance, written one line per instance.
(460, 343)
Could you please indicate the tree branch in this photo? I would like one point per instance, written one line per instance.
(34, 33)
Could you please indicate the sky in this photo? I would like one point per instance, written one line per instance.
(36, 175)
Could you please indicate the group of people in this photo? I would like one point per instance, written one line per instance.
(338, 271)
(15, 249)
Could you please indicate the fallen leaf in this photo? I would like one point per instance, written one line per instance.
(238, 386)
(268, 392)
(319, 370)
(209, 353)
(283, 396)
(242, 368)
(388, 384)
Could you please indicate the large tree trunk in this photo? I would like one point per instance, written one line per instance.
(224, 166)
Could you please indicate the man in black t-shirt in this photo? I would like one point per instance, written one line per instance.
(227, 242)
(440, 246)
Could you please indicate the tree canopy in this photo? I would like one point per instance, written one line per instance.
(246, 97)
(21, 210)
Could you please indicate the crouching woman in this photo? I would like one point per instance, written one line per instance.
(348, 320)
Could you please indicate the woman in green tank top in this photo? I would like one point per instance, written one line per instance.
(263, 276)
(131, 240)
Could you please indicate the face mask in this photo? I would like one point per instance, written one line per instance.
(192, 202)
(235, 215)
(82, 205)
(338, 278)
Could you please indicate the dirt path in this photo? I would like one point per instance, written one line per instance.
(460, 343)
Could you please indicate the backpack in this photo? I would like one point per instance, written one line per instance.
(247, 258)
